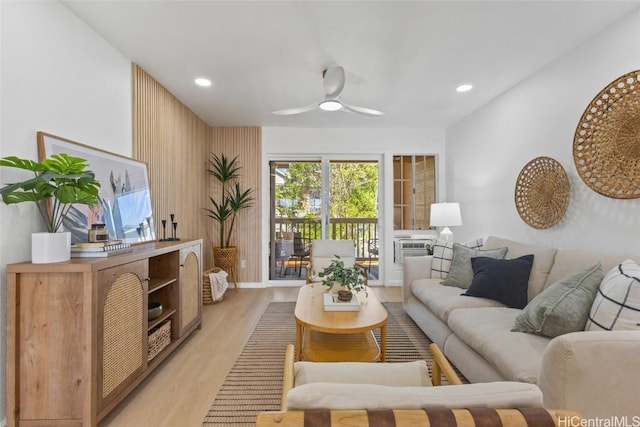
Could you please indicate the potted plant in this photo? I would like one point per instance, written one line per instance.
(225, 208)
(349, 279)
(57, 184)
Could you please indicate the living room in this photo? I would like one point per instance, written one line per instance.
(51, 61)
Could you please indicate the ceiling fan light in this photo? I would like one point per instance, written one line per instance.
(330, 105)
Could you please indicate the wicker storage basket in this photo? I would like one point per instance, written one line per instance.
(159, 338)
(207, 298)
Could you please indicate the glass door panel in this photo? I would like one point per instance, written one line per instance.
(296, 216)
(353, 208)
(329, 199)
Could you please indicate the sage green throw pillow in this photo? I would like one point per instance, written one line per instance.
(461, 271)
(563, 307)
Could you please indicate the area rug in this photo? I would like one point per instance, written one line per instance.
(254, 384)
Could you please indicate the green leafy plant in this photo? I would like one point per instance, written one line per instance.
(350, 278)
(58, 183)
(429, 248)
(232, 199)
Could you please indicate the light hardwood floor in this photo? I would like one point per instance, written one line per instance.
(181, 390)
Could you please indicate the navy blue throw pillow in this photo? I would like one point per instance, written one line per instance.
(503, 280)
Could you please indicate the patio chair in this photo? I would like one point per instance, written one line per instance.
(300, 251)
(372, 246)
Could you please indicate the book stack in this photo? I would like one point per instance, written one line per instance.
(332, 303)
(99, 249)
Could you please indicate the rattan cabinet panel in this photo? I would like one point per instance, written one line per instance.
(190, 287)
(78, 331)
(122, 336)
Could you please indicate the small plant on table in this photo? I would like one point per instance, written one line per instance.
(350, 279)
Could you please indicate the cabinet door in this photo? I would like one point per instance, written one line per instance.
(122, 333)
(190, 287)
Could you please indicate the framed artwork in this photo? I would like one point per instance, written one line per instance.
(125, 198)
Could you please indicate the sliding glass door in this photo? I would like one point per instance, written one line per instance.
(322, 199)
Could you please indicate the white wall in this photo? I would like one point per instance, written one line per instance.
(58, 76)
(377, 143)
(487, 150)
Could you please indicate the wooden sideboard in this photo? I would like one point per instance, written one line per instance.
(78, 332)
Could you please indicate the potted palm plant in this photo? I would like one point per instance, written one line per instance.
(57, 184)
(232, 199)
(349, 279)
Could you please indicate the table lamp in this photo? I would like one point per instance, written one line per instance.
(445, 215)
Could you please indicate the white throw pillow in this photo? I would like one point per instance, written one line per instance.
(617, 303)
(443, 254)
(405, 374)
(500, 394)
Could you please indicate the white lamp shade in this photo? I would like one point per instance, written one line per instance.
(445, 214)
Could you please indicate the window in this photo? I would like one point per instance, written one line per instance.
(414, 189)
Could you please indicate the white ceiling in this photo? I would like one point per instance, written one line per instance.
(404, 58)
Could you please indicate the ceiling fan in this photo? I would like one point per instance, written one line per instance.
(333, 82)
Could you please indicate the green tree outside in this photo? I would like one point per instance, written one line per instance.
(354, 190)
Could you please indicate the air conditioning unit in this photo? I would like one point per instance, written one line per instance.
(409, 247)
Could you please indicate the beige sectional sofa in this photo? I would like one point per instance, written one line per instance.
(596, 373)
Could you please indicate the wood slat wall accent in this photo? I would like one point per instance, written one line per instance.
(245, 142)
(174, 143)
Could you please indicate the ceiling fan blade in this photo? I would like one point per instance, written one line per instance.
(333, 82)
(298, 110)
(361, 110)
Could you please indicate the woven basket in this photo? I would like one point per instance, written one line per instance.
(606, 145)
(159, 338)
(207, 298)
(225, 257)
(542, 193)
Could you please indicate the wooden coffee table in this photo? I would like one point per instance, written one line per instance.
(338, 336)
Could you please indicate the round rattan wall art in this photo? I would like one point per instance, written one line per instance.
(542, 192)
(606, 146)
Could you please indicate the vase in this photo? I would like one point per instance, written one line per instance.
(50, 247)
(345, 295)
(225, 257)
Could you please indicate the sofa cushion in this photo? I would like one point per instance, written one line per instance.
(562, 307)
(371, 396)
(442, 300)
(503, 280)
(568, 261)
(516, 355)
(443, 254)
(617, 303)
(461, 272)
(543, 259)
(404, 374)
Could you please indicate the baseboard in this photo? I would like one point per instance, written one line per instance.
(249, 285)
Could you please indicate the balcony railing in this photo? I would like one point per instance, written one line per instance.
(360, 230)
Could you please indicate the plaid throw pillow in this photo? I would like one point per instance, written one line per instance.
(617, 303)
(443, 254)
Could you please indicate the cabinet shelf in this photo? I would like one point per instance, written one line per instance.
(165, 315)
(156, 284)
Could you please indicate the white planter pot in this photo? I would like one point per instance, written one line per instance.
(50, 247)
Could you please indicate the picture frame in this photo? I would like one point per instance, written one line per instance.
(125, 197)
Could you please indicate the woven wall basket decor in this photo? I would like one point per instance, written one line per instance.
(542, 192)
(606, 145)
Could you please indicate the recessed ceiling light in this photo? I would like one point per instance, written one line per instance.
(464, 88)
(201, 81)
